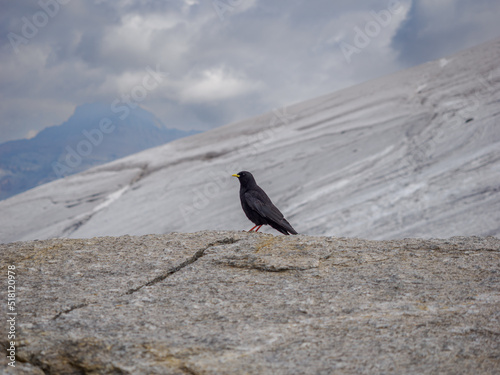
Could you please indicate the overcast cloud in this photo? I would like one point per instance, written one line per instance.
(217, 61)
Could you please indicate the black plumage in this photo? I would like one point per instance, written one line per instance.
(258, 207)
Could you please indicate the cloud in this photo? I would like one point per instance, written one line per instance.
(261, 55)
(31, 134)
(215, 84)
(435, 29)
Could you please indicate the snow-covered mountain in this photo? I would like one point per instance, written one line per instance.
(416, 153)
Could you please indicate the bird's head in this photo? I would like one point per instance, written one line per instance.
(245, 177)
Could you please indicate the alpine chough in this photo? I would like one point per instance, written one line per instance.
(258, 207)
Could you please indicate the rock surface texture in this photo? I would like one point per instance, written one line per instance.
(253, 303)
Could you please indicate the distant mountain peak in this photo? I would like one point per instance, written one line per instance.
(94, 134)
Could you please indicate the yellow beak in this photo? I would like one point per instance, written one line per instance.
(235, 175)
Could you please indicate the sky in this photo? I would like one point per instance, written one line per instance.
(199, 64)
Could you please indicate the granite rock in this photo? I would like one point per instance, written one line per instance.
(250, 303)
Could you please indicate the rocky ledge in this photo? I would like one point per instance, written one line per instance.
(251, 303)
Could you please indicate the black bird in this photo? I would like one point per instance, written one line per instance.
(258, 207)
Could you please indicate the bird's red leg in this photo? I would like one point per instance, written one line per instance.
(253, 229)
(257, 228)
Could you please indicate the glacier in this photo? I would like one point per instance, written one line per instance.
(412, 154)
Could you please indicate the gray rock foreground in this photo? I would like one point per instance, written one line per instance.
(251, 303)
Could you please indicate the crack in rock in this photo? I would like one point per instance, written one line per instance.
(68, 310)
(197, 255)
(264, 267)
(256, 263)
(186, 263)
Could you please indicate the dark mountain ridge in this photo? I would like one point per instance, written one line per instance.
(93, 135)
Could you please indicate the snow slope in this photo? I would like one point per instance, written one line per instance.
(416, 153)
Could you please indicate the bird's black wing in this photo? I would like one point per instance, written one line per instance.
(260, 202)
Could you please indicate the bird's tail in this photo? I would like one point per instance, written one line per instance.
(284, 227)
